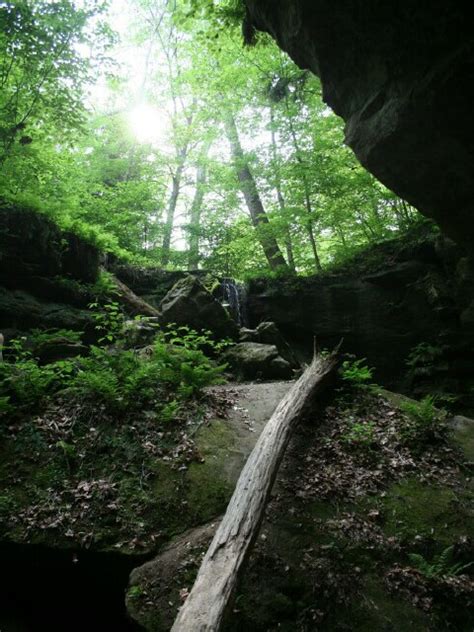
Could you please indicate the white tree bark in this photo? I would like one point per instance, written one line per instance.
(207, 603)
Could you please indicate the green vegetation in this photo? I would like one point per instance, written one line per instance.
(118, 379)
(442, 564)
(356, 373)
(158, 137)
(360, 434)
(425, 419)
(144, 161)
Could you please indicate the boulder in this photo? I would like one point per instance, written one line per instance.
(59, 348)
(252, 360)
(19, 311)
(139, 333)
(269, 334)
(247, 335)
(189, 303)
(152, 585)
(134, 305)
(383, 303)
(149, 283)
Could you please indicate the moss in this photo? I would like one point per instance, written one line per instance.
(414, 508)
(209, 489)
(182, 499)
(376, 611)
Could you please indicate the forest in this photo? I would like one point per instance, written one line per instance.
(236, 368)
(150, 129)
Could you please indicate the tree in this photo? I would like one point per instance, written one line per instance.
(197, 206)
(249, 190)
(42, 72)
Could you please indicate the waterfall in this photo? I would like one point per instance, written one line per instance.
(234, 297)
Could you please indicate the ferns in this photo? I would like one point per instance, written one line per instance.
(117, 379)
(441, 565)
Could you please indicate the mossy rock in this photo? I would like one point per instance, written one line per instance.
(373, 610)
(412, 508)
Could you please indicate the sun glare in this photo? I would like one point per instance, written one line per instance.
(147, 123)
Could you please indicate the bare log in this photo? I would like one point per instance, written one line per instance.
(133, 304)
(207, 603)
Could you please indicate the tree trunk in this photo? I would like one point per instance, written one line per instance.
(307, 197)
(196, 208)
(133, 304)
(206, 606)
(171, 210)
(248, 187)
(281, 200)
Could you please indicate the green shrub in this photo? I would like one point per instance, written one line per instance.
(356, 373)
(108, 319)
(25, 384)
(185, 367)
(43, 336)
(104, 287)
(124, 380)
(441, 565)
(119, 380)
(360, 434)
(425, 419)
(423, 354)
(188, 338)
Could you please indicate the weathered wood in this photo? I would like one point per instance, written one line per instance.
(206, 605)
(133, 304)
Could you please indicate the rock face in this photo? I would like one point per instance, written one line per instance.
(32, 247)
(420, 293)
(139, 333)
(254, 360)
(400, 76)
(189, 303)
(44, 274)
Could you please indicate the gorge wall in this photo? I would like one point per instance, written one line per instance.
(415, 289)
(400, 75)
(395, 296)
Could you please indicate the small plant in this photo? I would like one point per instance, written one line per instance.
(25, 384)
(135, 592)
(69, 452)
(41, 337)
(423, 355)
(104, 287)
(186, 367)
(423, 412)
(5, 406)
(424, 419)
(108, 321)
(360, 434)
(188, 338)
(356, 372)
(441, 565)
(170, 411)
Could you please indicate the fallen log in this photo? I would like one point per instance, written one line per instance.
(205, 608)
(133, 304)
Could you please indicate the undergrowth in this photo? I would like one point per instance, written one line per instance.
(175, 369)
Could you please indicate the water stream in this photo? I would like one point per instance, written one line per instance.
(234, 297)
